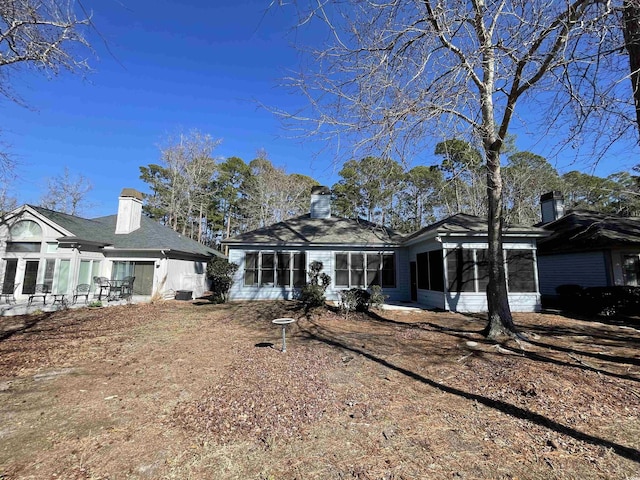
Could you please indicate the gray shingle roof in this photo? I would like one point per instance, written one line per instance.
(304, 230)
(462, 223)
(582, 230)
(150, 235)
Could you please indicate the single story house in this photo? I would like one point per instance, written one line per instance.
(39, 246)
(585, 248)
(441, 266)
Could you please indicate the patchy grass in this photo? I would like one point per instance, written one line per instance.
(182, 390)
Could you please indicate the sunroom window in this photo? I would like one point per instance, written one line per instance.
(282, 269)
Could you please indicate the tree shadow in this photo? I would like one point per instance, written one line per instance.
(318, 334)
(30, 322)
(464, 334)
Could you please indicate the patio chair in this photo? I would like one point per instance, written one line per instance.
(126, 288)
(81, 290)
(41, 290)
(103, 285)
(9, 292)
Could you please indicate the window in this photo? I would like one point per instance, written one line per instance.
(520, 271)
(461, 270)
(23, 247)
(291, 269)
(141, 271)
(342, 270)
(63, 276)
(468, 270)
(430, 271)
(282, 269)
(631, 269)
(251, 269)
(436, 271)
(26, 229)
(482, 264)
(357, 269)
(422, 260)
(11, 266)
(267, 269)
(49, 268)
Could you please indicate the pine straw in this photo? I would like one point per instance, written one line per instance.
(265, 395)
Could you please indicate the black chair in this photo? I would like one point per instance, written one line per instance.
(9, 292)
(41, 290)
(126, 288)
(81, 290)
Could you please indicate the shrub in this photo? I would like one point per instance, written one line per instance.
(313, 293)
(354, 299)
(377, 297)
(605, 301)
(220, 272)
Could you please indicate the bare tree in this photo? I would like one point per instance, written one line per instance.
(394, 74)
(631, 18)
(190, 167)
(44, 35)
(67, 193)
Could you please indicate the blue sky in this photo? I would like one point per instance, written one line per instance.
(175, 66)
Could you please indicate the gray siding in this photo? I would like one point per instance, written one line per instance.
(587, 269)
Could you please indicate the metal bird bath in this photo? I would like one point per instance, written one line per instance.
(284, 322)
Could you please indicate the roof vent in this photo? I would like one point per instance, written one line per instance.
(552, 206)
(129, 211)
(320, 202)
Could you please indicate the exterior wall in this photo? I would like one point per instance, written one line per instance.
(48, 251)
(169, 274)
(464, 302)
(587, 269)
(184, 275)
(470, 302)
(241, 292)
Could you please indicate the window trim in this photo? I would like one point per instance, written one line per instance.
(476, 272)
(258, 280)
(365, 269)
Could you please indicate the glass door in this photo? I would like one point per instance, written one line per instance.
(30, 277)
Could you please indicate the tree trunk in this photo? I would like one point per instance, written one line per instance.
(632, 42)
(500, 319)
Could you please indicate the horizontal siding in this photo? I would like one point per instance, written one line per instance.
(477, 302)
(587, 269)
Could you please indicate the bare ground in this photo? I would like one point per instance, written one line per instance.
(181, 390)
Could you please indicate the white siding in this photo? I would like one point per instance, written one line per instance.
(587, 269)
(467, 302)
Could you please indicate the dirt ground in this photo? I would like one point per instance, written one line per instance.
(177, 390)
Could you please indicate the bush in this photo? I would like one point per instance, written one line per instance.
(377, 297)
(313, 293)
(605, 301)
(220, 272)
(354, 299)
(359, 300)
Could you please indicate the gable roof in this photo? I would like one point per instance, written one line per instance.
(101, 231)
(304, 231)
(583, 230)
(462, 224)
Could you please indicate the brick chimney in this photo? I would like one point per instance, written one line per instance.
(320, 202)
(552, 206)
(129, 211)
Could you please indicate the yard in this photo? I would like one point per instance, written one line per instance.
(193, 390)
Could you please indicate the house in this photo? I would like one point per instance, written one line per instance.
(441, 266)
(585, 248)
(41, 246)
